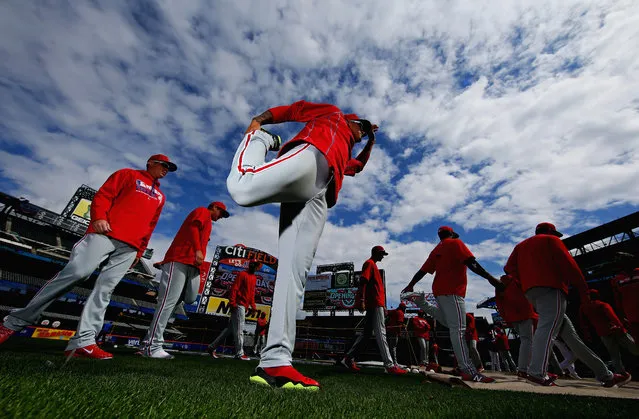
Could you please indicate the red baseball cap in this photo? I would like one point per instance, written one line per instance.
(379, 249)
(220, 205)
(547, 228)
(165, 159)
(447, 229)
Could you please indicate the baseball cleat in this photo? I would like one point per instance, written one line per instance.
(277, 140)
(522, 375)
(242, 357)
(395, 370)
(159, 354)
(5, 333)
(285, 377)
(212, 352)
(617, 380)
(90, 351)
(350, 364)
(477, 378)
(548, 381)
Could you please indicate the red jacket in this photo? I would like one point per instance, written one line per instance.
(471, 330)
(447, 262)
(395, 322)
(421, 327)
(243, 290)
(626, 290)
(371, 287)
(192, 236)
(512, 304)
(543, 261)
(131, 201)
(601, 316)
(327, 129)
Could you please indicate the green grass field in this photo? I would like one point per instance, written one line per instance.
(197, 386)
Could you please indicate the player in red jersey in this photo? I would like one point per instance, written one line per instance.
(124, 213)
(180, 279)
(371, 298)
(305, 178)
(609, 328)
(626, 290)
(546, 269)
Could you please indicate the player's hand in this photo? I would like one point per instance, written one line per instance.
(409, 288)
(102, 226)
(135, 262)
(199, 257)
(253, 126)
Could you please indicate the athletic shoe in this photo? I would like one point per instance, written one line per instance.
(573, 374)
(548, 381)
(522, 374)
(350, 364)
(159, 354)
(277, 140)
(285, 377)
(211, 352)
(89, 351)
(242, 357)
(617, 380)
(476, 378)
(456, 372)
(5, 333)
(395, 370)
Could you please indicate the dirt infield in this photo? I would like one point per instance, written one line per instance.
(583, 387)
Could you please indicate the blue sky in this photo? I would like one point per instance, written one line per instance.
(493, 115)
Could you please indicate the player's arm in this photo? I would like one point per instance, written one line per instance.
(264, 118)
(569, 268)
(103, 201)
(474, 266)
(357, 164)
(195, 237)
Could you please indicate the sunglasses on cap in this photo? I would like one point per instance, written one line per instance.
(163, 164)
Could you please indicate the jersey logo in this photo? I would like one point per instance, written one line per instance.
(149, 190)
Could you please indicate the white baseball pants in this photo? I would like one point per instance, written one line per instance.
(178, 282)
(524, 329)
(452, 314)
(236, 327)
(86, 257)
(298, 180)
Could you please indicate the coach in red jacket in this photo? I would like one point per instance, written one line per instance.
(546, 269)
(609, 328)
(305, 178)
(124, 213)
(241, 299)
(180, 279)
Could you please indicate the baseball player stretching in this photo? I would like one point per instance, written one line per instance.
(449, 261)
(514, 308)
(241, 299)
(609, 328)
(124, 213)
(546, 268)
(306, 178)
(180, 278)
(371, 298)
